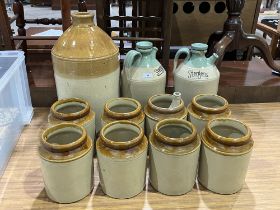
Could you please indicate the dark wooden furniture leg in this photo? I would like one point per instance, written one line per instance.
(233, 37)
(82, 6)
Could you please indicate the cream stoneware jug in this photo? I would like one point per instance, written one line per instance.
(225, 154)
(86, 64)
(66, 153)
(174, 151)
(122, 155)
(196, 74)
(143, 76)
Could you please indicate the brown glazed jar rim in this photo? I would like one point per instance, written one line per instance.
(164, 110)
(227, 140)
(121, 145)
(198, 107)
(65, 147)
(175, 141)
(70, 116)
(123, 115)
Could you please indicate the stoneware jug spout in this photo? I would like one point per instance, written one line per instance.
(176, 100)
(154, 52)
(213, 58)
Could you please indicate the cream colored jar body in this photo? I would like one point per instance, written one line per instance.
(174, 152)
(122, 155)
(66, 154)
(205, 107)
(221, 173)
(225, 155)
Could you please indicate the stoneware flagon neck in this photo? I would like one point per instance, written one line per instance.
(86, 64)
(143, 75)
(196, 74)
(90, 41)
(123, 109)
(227, 136)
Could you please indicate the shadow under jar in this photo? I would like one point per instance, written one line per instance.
(158, 108)
(73, 110)
(122, 153)
(174, 151)
(225, 153)
(66, 154)
(123, 109)
(205, 107)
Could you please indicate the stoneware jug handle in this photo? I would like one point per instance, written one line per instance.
(179, 52)
(131, 57)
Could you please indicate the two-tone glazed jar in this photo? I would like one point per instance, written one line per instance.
(73, 110)
(205, 107)
(86, 64)
(174, 152)
(123, 109)
(225, 153)
(163, 106)
(122, 155)
(66, 153)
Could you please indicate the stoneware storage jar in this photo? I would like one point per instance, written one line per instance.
(196, 74)
(163, 106)
(225, 153)
(66, 153)
(86, 64)
(122, 153)
(143, 76)
(205, 107)
(123, 109)
(73, 110)
(174, 151)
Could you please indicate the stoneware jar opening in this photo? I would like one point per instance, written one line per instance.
(121, 135)
(63, 137)
(211, 104)
(161, 103)
(70, 109)
(175, 132)
(80, 18)
(122, 108)
(228, 131)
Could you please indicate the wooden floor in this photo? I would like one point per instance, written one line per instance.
(22, 187)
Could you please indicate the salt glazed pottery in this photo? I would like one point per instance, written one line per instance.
(225, 153)
(205, 107)
(122, 153)
(123, 109)
(86, 64)
(163, 106)
(143, 76)
(196, 74)
(174, 151)
(66, 153)
(73, 110)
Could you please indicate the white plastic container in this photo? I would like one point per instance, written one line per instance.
(15, 103)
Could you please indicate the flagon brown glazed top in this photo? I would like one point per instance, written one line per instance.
(84, 40)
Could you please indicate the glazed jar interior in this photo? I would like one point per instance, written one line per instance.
(70, 107)
(210, 101)
(228, 128)
(175, 130)
(122, 106)
(121, 132)
(64, 136)
(162, 101)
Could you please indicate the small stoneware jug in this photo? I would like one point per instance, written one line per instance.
(122, 154)
(123, 109)
(73, 110)
(196, 74)
(163, 106)
(225, 153)
(143, 76)
(205, 107)
(174, 151)
(66, 153)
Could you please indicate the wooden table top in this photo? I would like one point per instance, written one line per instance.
(22, 187)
